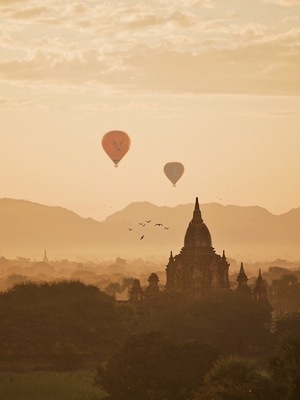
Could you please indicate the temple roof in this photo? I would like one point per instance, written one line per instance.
(242, 275)
(260, 286)
(197, 234)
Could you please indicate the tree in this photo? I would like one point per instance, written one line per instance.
(149, 366)
(236, 378)
(289, 322)
(57, 320)
(285, 365)
(233, 323)
(285, 294)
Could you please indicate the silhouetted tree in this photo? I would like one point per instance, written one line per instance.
(236, 378)
(233, 323)
(53, 320)
(150, 367)
(285, 294)
(285, 365)
(287, 323)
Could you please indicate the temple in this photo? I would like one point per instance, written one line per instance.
(197, 269)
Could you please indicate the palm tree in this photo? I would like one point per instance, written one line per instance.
(236, 378)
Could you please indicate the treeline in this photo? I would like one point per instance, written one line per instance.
(223, 346)
(58, 322)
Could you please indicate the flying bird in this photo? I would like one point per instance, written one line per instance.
(142, 237)
(158, 224)
(148, 221)
(166, 227)
(130, 229)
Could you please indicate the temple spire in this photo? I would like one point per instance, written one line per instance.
(260, 291)
(197, 213)
(45, 259)
(242, 281)
(242, 275)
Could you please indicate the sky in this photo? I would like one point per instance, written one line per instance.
(214, 85)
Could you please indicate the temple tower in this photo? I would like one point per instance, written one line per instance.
(242, 282)
(152, 290)
(45, 259)
(136, 293)
(197, 269)
(260, 291)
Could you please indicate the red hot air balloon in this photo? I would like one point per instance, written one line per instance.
(174, 171)
(116, 144)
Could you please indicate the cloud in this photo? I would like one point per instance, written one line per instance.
(8, 103)
(7, 41)
(181, 19)
(250, 31)
(288, 18)
(159, 48)
(5, 3)
(137, 107)
(276, 113)
(283, 3)
(48, 68)
(79, 8)
(261, 68)
(29, 13)
(202, 3)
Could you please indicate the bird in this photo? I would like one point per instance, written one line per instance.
(142, 237)
(148, 221)
(140, 223)
(130, 229)
(166, 227)
(143, 224)
(158, 224)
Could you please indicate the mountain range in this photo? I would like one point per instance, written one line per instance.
(245, 233)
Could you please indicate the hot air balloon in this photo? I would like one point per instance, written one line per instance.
(116, 144)
(174, 171)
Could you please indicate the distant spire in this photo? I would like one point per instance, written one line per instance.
(242, 281)
(242, 275)
(242, 268)
(171, 256)
(223, 255)
(260, 291)
(260, 283)
(197, 213)
(45, 259)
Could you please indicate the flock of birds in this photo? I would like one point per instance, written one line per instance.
(145, 223)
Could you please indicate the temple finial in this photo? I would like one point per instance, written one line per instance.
(197, 212)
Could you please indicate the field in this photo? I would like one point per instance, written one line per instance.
(49, 385)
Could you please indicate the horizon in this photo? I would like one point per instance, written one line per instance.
(152, 203)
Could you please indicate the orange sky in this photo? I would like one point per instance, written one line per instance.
(215, 86)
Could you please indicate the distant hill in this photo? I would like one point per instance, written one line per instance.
(246, 233)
